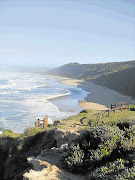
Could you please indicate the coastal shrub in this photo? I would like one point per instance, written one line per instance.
(74, 160)
(123, 125)
(132, 106)
(98, 146)
(112, 123)
(92, 122)
(117, 170)
(77, 155)
(128, 143)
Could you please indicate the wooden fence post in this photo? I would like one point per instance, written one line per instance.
(44, 123)
(97, 116)
(108, 112)
(103, 114)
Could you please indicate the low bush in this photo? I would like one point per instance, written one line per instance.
(117, 170)
(98, 146)
(132, 106)
(92, 122)
(123, 125)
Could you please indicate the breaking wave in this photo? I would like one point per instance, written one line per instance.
(25, 97)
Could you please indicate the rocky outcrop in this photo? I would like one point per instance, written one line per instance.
(63, 136)
(15, 151)
(48, 165)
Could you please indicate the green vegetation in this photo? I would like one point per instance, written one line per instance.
(14, 151)
(132, 106)
(9, 133)
(103, 150)
(116, 170)
(86, 71)
(99, 146)
(118, 76)
(87, 119)
(32, 131)
(122, 81)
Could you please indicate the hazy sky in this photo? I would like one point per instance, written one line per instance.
(55, 32)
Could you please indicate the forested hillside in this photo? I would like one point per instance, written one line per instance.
(116, 75)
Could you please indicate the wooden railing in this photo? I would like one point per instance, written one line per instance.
(42, 123)
(118, 106)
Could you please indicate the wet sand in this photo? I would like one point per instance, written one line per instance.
(92, 106)
(99, 97)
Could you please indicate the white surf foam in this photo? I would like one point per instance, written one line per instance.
(10, 84)
(25, 98)
(22, 81)
(57, 95)
(9, 92)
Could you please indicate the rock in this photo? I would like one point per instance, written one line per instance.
(44, 170)
(57, 123)
(64, 136)
(48, 164)
(84, 111)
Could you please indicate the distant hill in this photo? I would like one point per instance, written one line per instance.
(90, 71)
(118, 76)
(121, 81)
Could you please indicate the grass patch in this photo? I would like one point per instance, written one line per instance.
(32, 131)
(89, 119)
(9, 133)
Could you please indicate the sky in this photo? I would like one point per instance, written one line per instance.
(55, 32)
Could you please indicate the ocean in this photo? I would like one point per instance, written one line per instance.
(26, 97)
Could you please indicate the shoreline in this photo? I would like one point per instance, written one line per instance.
(99, 97)
(84, 104)
(68, 103)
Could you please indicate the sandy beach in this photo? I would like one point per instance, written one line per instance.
(74, 82)
(99, 97)
(68, 81)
